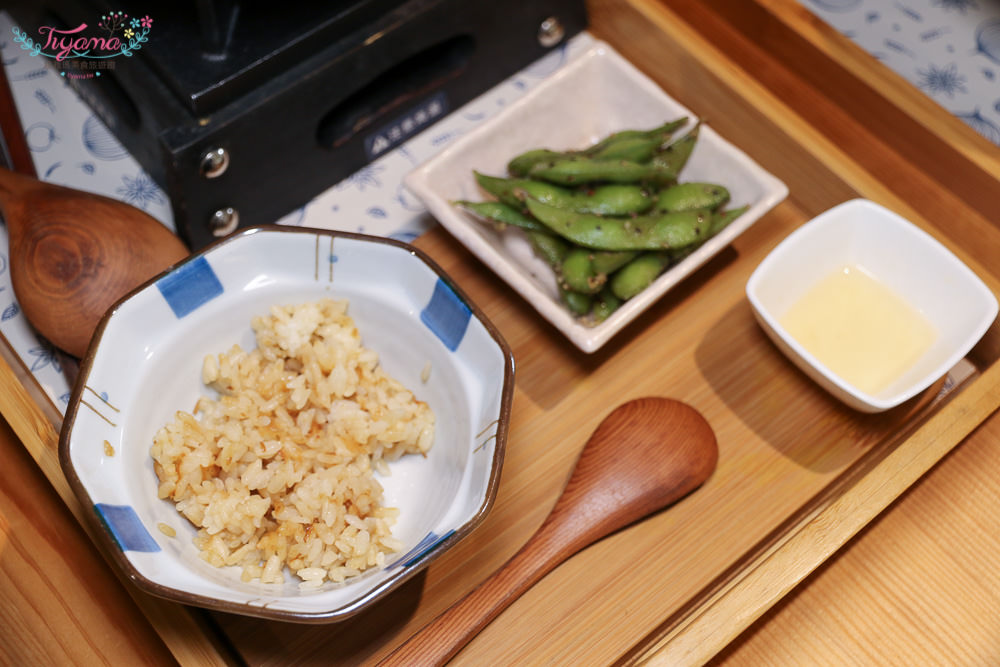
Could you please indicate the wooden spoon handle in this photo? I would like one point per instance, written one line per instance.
(442, 638)
(643, 457)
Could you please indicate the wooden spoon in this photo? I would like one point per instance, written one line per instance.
(645, 455)
(73, 254)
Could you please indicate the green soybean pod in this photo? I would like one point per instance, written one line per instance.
(552, 249)
(662, 232)
(722, 219)
(578, 170)
(501, 188)
(609, 199)
(638, 274)
(586, 270)
(673, 158)
(522, 164)
(604, 304)
(662, 133)
(499, 212)
(609, 261)
(577, 272)
(690, 195)
(635, 149)
(578, 304)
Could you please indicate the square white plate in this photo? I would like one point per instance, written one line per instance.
(596, 94)
(899, 255)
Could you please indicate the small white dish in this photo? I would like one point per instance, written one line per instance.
(598, 93)
(899, 255)
(144, 364)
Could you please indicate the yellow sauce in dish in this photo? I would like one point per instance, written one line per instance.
(859, 329)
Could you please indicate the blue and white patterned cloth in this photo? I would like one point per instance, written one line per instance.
(949, 49)
(72, 147)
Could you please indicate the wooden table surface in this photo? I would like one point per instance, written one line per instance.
(920, 584)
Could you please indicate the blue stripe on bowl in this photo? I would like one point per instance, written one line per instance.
(446, 315)
(126, 527)
(190, 286)
(423, 547)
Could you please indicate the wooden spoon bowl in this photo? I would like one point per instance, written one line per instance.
(73, 254)
(644, 456)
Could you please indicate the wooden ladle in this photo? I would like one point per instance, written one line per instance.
(73, 254)
(645, 455)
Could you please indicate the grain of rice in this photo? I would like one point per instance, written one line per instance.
(279, 470)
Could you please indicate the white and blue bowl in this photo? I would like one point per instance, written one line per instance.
(144, 364)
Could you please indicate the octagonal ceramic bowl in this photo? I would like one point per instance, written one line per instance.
(144, 364)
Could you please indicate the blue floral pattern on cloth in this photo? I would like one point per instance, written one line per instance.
(949, 49)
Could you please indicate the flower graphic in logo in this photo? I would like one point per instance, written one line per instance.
(122, 36)
(112, 22)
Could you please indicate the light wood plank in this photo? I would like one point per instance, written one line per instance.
(185, 635)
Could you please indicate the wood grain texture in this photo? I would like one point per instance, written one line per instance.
(798, 474)
(186, 634)
(782, 441)
(60, 603)
(918, 586)
(73, 254)
(644, 456)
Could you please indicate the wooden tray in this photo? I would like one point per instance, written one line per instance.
(798, 473)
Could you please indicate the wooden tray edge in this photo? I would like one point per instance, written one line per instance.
(719, 619)
(38, 430)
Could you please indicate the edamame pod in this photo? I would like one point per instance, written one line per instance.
(577, 272)
(586, 270)
(552, 249)
(523, 163)
(609, 261)
(580, 170)
(605, 303)
(690, 195)
(499, 212)
(635, 149)
(610, 199)
(639, 274)
(721, 219)
(670, 230)
(672, 159)
(661, 133)
(578, 304)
